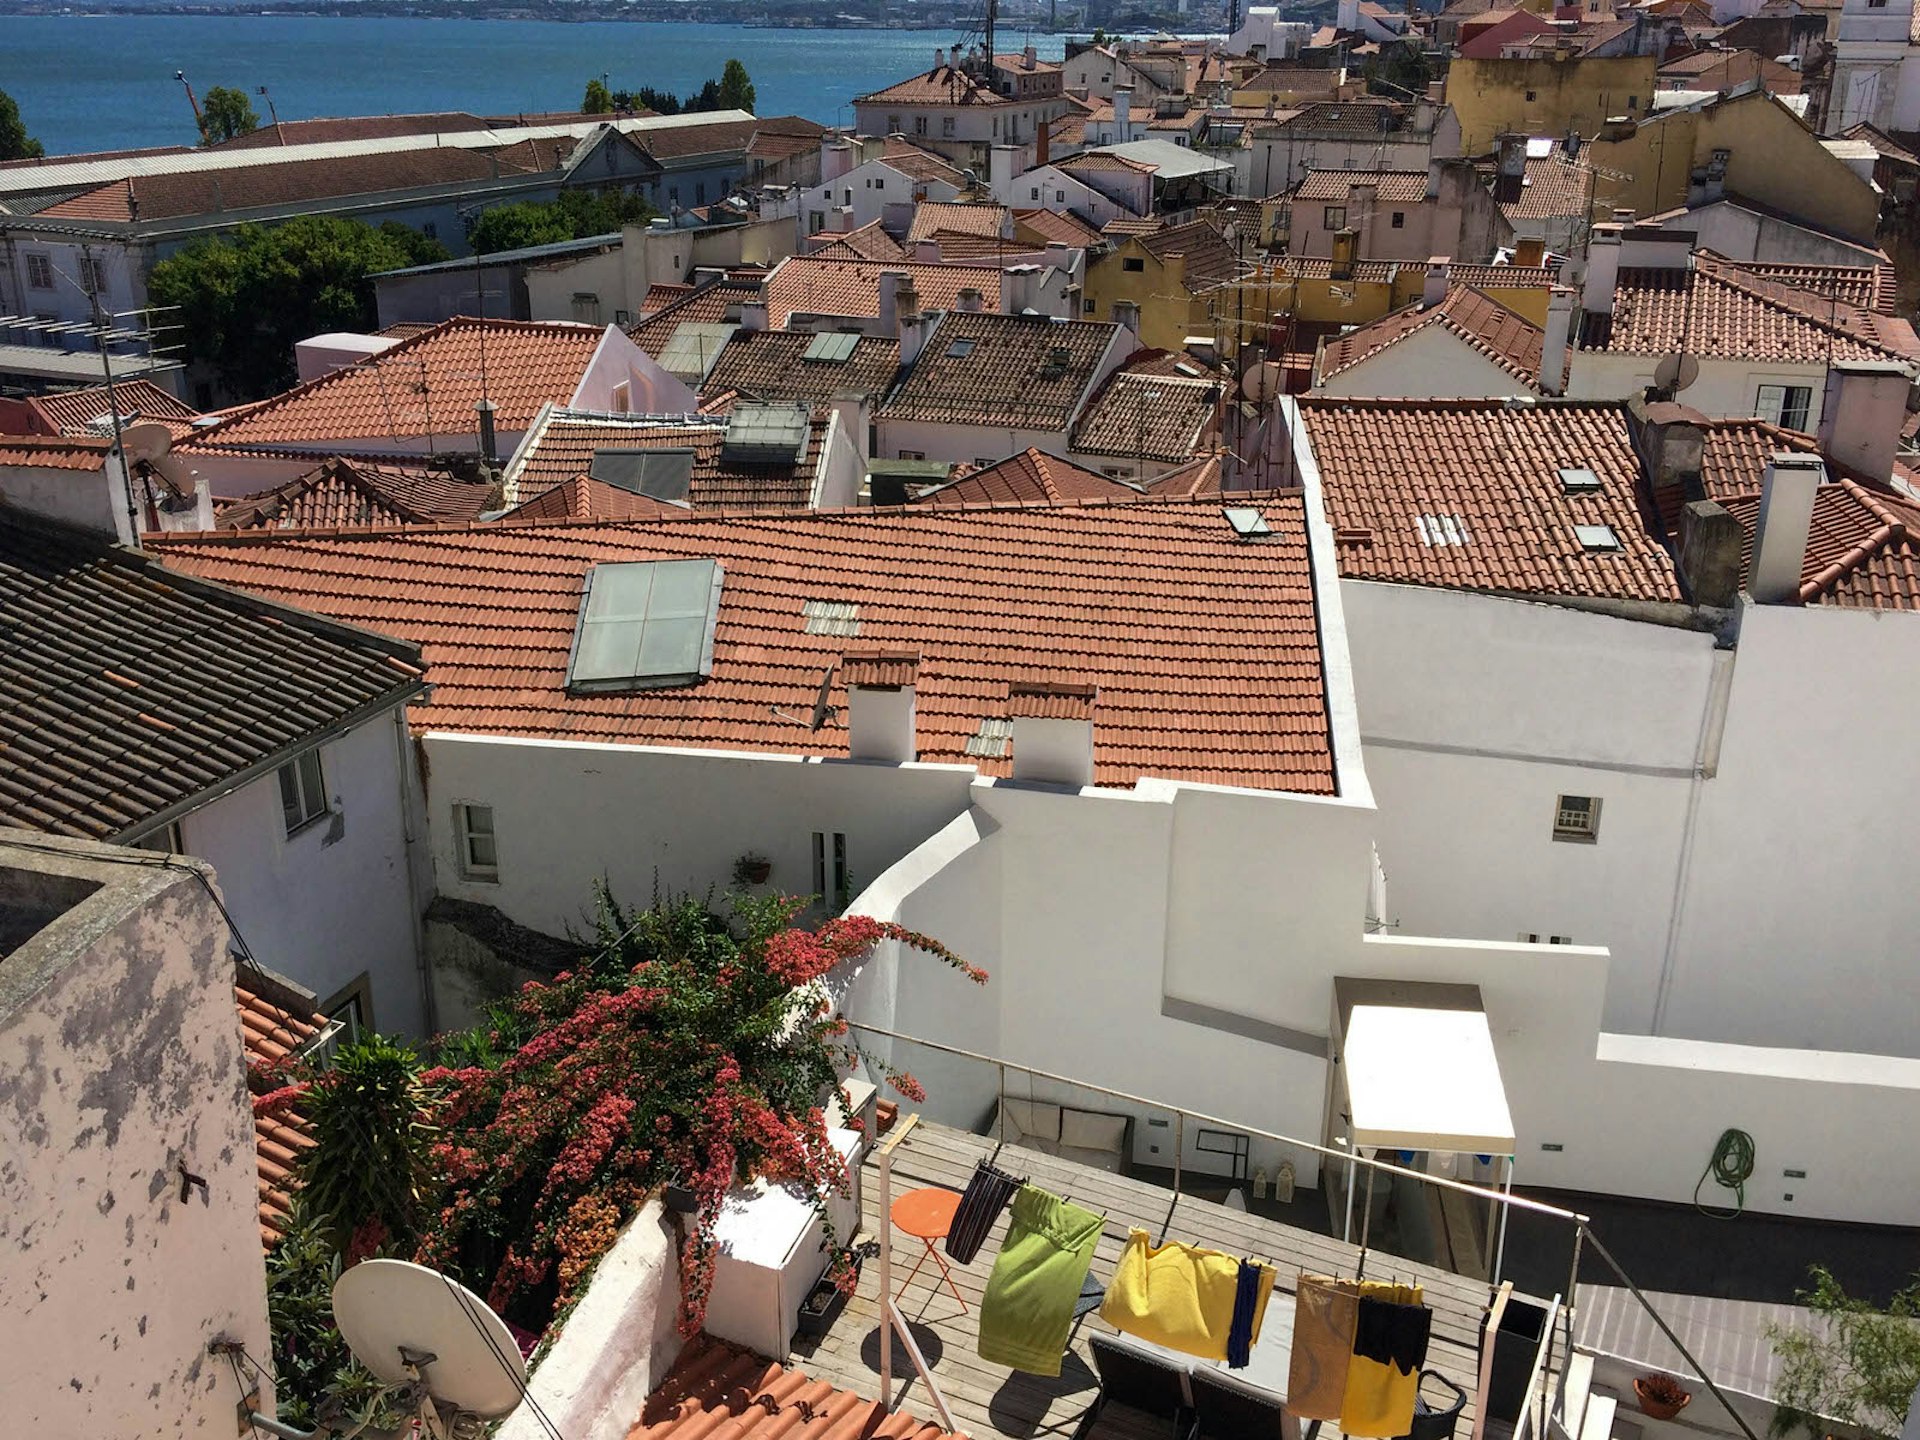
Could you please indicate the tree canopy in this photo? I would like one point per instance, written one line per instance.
(246, 298)
(1856, 1365)
(15, 143)
(599, 99)
(736, 88)
(575, 215)
(224, 113)
(732, 91)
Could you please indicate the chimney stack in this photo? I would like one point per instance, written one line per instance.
(880, 705)
(1346, 247)
(1710, 546)
(970, 301)
(914, 327)
(1603, 269)
(1780, 535)
(489, 450)
(1434, 288)
(1511, 179)
(1052, 732)
(1554, 340)
(926, 252)
(1122, 114)
(1530, 253)
(890, 282)
(1346, 15)
(1861, 413)
(1672, 448)
(753, 316)
(1126, 314)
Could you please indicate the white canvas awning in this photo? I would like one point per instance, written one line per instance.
(1425, 1080)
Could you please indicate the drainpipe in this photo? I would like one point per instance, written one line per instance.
(403, 757)
(1706, 764)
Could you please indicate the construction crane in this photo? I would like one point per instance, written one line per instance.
(181, 76)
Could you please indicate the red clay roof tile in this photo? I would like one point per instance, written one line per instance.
(718, 1392)
(273, 1033)
(1511, 341)
(344, 492)
(1033, 477)
(810, 285)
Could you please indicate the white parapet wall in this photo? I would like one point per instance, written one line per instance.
(617, 1345)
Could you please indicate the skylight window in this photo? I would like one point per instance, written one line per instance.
(1578, 480)
(1596, 538)
(832, 348)
(831, 617)
(766, 434)
(665, 475)
(1247, 522)
(645, 625)
(960, 349)
(1441, 529)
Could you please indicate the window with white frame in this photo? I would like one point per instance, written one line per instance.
(351, 1008)
(479, 852)
(1577, 817)
(39, 272)
(1784, 405)
(303, 792)
(830, 868)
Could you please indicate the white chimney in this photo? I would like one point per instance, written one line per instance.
(914, 327)
(1002, 161)
(1861, 414)
(970, 300)
(926, 252)
(1603, 269)
(1780, 535)
(890, 283)
(1126, 314)
(939, 59)
(880, 711)
(1554, 341)
(1439, 275)
(1052, 733)
(1029, 57)
(1647, 247)
(753, 316)
(1122, 114)
(836, 159)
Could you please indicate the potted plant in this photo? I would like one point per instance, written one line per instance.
(829, 1296)
(752, 869)
(1661, 1396)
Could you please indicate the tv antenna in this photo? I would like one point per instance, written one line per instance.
(823, 707)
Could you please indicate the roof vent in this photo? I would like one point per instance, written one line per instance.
(766, 434)
(831, 617)
(665, 475)
(645, 625)
(1596, 538)
(1247, 522)
(1578, 480)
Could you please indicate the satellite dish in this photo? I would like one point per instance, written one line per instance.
(148, 440)
(1676, 373)
(411, 1325)
(1261, 382)
(823, 702)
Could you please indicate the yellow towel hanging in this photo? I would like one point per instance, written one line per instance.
(1179, 1296)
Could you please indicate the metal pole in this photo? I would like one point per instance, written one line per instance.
(1500, 1249)
(1573, 1283)
(1179, 1145)
(91, 282)
(1366, 1227)
(1346, 1231)
(1002, 1108)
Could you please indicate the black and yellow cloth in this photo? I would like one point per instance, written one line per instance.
(1391, 1328)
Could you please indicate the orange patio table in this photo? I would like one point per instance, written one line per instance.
(927, 1215)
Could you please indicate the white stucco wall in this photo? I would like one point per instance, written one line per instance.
(321, 911)
(121, 1059)
(1801, 909)
(1431, 363)
(1725, 388)
(567, 813)
(1742, 234)
(552, 286)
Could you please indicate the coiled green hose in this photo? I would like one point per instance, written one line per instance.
(1731, 1167)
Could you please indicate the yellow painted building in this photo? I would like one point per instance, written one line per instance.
(1548, 95)
(1771, 157)
(1171, 276)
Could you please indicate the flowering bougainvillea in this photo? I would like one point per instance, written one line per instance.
(685, 1047)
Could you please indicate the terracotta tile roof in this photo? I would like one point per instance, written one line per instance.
(1209, 259)
(404, 329)
(1552, 189)
(808, 285)
(1511, 341)
(1863, 547)
(326, 130)
(247, 187)
(1056, 227)
(943, 85)
(1027, 372)
(1359, 119)
(49, 452)
(561, 447)
(581, 497)
(1018, 62)
(1033, 477)
(527, 364)
(125, 694)
(1147, 416)
(1502, 277)
(716, 137)
(958, 247)
(879, 669)
(717, 1392)
(869, 242)
(73, 412)
(1222, 684)
(342, 493)
(1715, 308)
(911, 160)
(1203, 476)
(1044, 700)
(1867, 287)
(1122, 226)
(1278, 78)
(1392, 187)
(713, 304)
(773, 365)
(1098, 161)
(777, 145)
(1466, 494)
(933, 216)
(273, 1030)
(1373, 272)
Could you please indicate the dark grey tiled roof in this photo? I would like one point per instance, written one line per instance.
(129, 693)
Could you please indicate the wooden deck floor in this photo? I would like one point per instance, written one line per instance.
(988, 1399)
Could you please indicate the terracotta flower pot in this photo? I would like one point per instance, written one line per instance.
(1660, 1396)
(757, 871)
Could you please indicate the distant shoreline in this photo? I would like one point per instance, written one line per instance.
(461, 10)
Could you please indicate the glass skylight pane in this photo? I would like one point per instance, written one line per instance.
(672, 647)
(620, 592)
(680, 588)
(608, 649)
